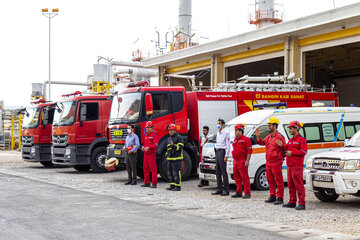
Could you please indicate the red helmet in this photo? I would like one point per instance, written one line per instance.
(240, 126)
(172, 127)
(130, 148)
(295, 124)
(149, 124)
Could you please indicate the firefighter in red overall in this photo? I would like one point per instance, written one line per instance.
(150, 146)
(242, 150)
(274, 161)
(296, 150)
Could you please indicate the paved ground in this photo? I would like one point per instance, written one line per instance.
(319, 221)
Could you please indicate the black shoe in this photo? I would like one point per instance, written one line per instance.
(236, 195)
(246, 196)
(218, 192)
(170, 188)
(225, 194)
(177, 188)
(153, 186)
(300, 207)
(128, 183)
(279, 201)
(271, 199)
(133, 183)
(289, 205)
(145, 185)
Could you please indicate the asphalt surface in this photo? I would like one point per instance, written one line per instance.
(36, 210)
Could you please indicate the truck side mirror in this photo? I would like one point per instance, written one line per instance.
(83, 112)
(149, 104)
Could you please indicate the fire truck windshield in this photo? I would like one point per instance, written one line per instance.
(125, 108)
(31, 118)
(64, 113)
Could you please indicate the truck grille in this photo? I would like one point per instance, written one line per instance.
(27, 140)
(117, 134)
(326, 164)
(60, 140)
(208, 160)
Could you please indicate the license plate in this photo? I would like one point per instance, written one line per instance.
(117, 152)
(322, 178)
(118, 132)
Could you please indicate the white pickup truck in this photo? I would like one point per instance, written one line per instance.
(335, 172)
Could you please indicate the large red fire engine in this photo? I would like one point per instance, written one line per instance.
(190, 111)
(78, 132)
(36, 133)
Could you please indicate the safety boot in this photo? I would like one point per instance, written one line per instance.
(279, 201)
(170, 188)
(246, 196)
(153, 186)
(236, 195)
(300, 207)
(145, 185)
(177, 188)
(271, 199)
(289, 205)
(128, 182)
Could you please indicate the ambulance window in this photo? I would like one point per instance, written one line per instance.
(357, 127)
(160, 104)
(328, 132)
(341, 135)
(312, 133)
(263, 133)
(350, 131)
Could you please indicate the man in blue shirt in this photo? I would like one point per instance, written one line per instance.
(131, 146)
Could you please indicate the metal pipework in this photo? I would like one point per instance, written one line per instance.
(187, 77)
(64, 83)
(123, 64)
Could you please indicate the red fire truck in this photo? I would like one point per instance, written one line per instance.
(36, 133)
(79, 131)
(190, 111)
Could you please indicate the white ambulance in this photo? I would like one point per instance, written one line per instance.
(321, 129)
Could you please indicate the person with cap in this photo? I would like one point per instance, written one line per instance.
(296, 150)
(204, 140)
(222, 151)
(174, 156)
(131, 146)
(242, 150)
(274, 161)
(149, 148)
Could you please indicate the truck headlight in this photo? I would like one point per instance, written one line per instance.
(32, 150)
(309, 163)
(349, 166)
(68, 151)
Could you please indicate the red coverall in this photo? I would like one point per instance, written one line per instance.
(274, 161)
(295, 166)
(151, 141)
(241, 148)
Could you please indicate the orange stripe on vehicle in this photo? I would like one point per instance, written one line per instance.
(259, 150)
(325, 145)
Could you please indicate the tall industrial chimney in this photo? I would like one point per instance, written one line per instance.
(265, 14)
(185, 16)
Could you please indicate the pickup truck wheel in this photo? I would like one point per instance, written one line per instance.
(97, 160)
(47, 164)
(186, 166)
(260, 180)
(82, 168)
(326, 196)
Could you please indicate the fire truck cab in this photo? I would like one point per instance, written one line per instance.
(36, 133)
(79, 131)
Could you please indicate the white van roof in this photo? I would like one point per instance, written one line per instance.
(257, 116)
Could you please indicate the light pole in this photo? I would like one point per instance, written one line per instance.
(54, 12)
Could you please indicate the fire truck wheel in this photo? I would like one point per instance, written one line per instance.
(47, 164)
(326, 196)
(82, 168)
(97, 160)
(185, 167)
(260, 180)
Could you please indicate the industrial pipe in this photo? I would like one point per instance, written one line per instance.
(64, 83)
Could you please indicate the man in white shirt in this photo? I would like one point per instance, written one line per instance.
(204, 140)
(222, 151)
